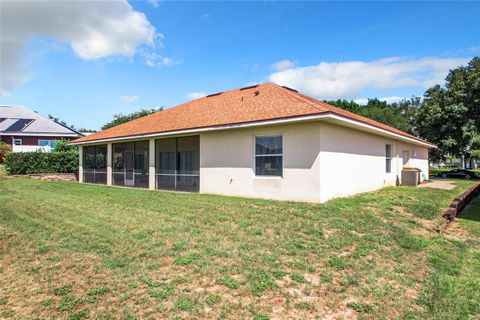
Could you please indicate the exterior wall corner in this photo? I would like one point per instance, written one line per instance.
(109, 164)
(80, 164)
(151, 164)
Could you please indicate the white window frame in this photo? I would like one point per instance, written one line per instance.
(15, 140)
(266, 155)
(388, 158)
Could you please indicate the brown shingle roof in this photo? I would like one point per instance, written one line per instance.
(266, 101)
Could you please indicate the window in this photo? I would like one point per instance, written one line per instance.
(17, 142)
(406, 157)
(268, 156)
(388, 158)
(51, 143)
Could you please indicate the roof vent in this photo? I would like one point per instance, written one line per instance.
(249, 87)
(290, 89)
(257, 93)
(214, 94)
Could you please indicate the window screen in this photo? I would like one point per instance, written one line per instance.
(177, 162)
(130, 164)
(95, 164)
(268, 156)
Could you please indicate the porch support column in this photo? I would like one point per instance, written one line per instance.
(80, 164)
(151, 164)
(109, 164)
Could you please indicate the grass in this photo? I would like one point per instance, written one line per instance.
(77, 251)
(3, 171)
(456, 271)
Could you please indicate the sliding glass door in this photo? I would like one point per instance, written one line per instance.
(130, 164)
(177, 163)
(95, 164)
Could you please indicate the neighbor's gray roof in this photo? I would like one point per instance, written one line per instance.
(21, 120)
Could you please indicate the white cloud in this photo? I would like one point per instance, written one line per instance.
(129, 98)
(364, 101)
(283, 65)
(93, 29)
(155, 60)
(154, 3)
(332, 80)
(196, 95)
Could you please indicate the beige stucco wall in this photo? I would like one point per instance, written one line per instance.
(418, 158)
(227, 161)
(321, 161)
(354, 161)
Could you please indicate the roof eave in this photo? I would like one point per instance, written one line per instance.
(322, 116)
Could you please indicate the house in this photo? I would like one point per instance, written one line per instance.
(263, 141)
(27, 130)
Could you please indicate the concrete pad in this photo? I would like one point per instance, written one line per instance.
(439, 184)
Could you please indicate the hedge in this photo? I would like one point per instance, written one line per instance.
(42, 162)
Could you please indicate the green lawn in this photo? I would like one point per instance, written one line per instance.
(77, 251)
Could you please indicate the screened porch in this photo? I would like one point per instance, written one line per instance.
(177, 163)
(167, 164)
(95, 164)
(130, 164)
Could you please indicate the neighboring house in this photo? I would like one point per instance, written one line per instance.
(262, 141)
(27, 130)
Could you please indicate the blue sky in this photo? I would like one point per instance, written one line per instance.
(114, 57)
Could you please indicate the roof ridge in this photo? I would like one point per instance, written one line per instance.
(181, 105)
(342, 112)
(296, 95)
(222, 108)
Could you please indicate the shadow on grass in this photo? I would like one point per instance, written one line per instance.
(472, 211)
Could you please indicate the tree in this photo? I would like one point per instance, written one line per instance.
(63, 146)
(348, 105)
(398, 115)
(120, 118)
(450, 116)
(5, 149)
(86, 130)
(61, 122)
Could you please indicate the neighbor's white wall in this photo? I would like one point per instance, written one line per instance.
(227, 161)
(354, 161)
(27, 148)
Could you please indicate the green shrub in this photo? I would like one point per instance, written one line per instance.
(63, 146)
(42, 162)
